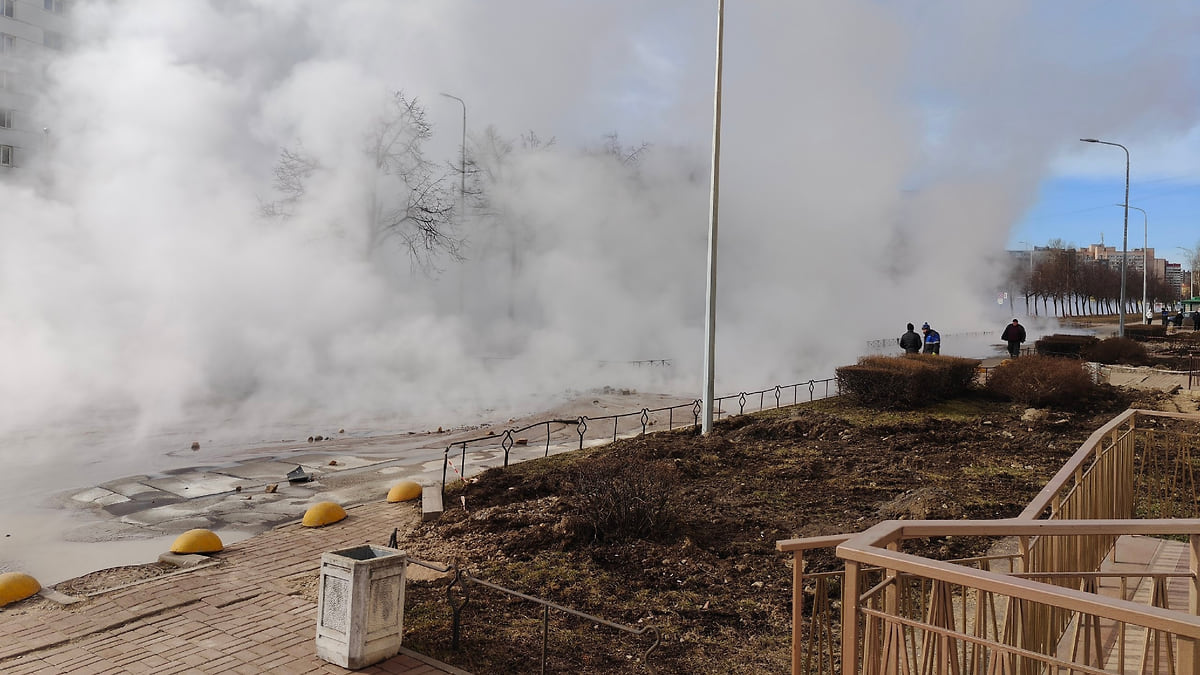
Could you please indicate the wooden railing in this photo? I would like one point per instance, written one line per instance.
(1049, 588)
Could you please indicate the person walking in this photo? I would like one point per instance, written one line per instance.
(1014, 335)
(1166, 316)
(910, 342)
(1196, 319)
(933, 341)
(1149, 316)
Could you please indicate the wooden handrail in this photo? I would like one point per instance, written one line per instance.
(867, 548)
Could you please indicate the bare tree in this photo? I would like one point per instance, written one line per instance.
(406, 199)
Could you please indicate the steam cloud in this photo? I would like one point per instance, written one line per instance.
(874, 157)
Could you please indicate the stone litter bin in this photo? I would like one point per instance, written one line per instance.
(360, 605)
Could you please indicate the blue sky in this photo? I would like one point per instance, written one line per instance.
(1081, 209)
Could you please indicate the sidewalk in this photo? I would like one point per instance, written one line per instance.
(246, 614)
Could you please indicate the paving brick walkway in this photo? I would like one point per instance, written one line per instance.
(243, 615)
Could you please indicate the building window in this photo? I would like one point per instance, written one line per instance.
(6, 155)
(56, 6)
(5, 118)
(6, 80)
(7, 8)
(7, 43)
(52, 40)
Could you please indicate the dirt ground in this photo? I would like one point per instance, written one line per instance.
(707, 576)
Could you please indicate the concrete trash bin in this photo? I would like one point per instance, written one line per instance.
(360, 605)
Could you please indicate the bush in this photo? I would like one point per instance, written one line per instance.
(616, 499)
(1064, 345)
(1141, 331)
(1117, 350)
(1042, 381)
(906, 381)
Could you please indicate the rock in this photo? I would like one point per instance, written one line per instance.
(271, 488)
(1034, 415)
(522, 441)
(195, 445)
(341, 431)
(310, 439)
(318, 438)
(333, 462)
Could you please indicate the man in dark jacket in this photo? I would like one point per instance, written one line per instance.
(1196, 320)
(910, 342)
(933, 341)
(1014, 335)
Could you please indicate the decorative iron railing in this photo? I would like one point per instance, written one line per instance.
(635, 422)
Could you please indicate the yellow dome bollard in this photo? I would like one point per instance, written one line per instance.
(197, 541)
(323, 513)
(404, 491)
(16, 586)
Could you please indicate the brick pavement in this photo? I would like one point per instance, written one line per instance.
(238, 616)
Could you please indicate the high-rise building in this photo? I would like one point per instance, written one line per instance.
(31, 32)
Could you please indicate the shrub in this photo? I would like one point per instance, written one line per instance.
(1141, 331)
(906, 381)
(1042, 381)
(1064, 345)
(615, 499)
(1117, 350)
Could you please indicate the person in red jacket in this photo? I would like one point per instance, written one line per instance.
(1014, 335)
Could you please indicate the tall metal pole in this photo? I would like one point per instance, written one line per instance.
(1145, 254)
(710, 313)
(1124, 236)
(462, 190)
(1030, 245)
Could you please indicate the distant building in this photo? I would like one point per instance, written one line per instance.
(1174, 276)
(1111, 256)
(31, 32)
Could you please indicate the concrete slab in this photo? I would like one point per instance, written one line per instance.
(320, 462)
(431, 502)
(99, 496)
(265, 471)
(190, 486)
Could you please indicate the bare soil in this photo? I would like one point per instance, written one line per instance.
(708, 578)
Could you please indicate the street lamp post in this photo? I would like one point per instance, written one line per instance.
(1193, 256)
(710, 312)
(1030, 245)
(1145, 246)
(1124, 236)
(462, 189)
(462, 192)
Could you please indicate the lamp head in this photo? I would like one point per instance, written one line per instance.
(1090, 140)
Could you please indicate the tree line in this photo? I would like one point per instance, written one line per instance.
(1067, 284)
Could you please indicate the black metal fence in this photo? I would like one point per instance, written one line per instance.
(458, 596)
(547, 432)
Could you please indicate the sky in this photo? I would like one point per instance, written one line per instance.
(878, 156)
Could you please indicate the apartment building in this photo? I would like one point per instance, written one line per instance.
(31, 32)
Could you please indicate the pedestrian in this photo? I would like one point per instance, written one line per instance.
(1178, 320)
(910, 342)
(1196, 319)
(1014, 335)
(933, 341)
(1149, 316)
(1166, 316)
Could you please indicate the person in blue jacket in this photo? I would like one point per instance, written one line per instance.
(933, 341)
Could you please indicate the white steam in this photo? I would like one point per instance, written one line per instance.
(875, 156)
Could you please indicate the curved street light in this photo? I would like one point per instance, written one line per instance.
(1193, 257)
(1125, 236)
(1145, 246)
